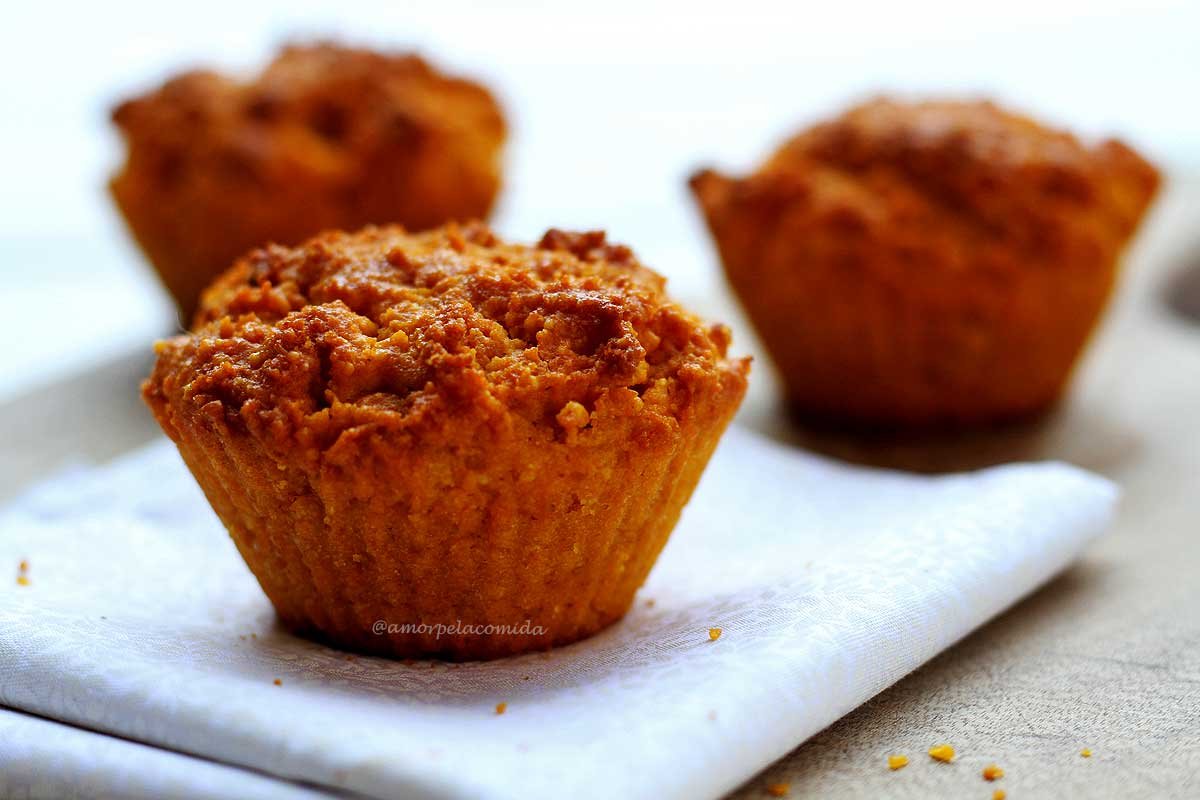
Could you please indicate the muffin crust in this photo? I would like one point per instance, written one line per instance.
(325, 137)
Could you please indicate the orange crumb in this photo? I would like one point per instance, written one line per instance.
(1086, 753)
(991, 772)
(501, 708)
(23, 566)
(22, 580)
(897, 762)
(714, 634)
(778, 789)
(999, 794)
(278, 682)
(942, 752)
(650, 603)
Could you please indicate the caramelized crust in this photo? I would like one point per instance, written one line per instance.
(381, 325)
(325, 137)
(979, 173)
(443, 426)
(928, 263)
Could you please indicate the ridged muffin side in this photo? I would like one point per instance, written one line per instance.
(325, 137)
(927, 264)
(443, 428)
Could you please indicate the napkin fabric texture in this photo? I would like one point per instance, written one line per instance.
(828, 582)
(40, 758)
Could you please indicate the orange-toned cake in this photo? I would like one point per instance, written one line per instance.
(325, 137)
(925, 264)
(422, 430)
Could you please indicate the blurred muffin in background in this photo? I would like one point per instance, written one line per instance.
(325, 137)
(927, 264)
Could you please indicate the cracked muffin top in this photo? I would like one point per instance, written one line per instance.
(434, 330)
(326, 108)
(943, 174)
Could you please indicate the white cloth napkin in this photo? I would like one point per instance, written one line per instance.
(40, 758)
(828, 582)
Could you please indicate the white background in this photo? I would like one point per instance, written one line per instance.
(612, 105)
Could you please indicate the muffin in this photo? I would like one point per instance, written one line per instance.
(325, 137)
(405, 432)
(926, 264)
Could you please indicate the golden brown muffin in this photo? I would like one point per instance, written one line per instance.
(440, 427)
(325, 137)
(926, 264)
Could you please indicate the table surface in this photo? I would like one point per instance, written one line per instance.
(1106, 657)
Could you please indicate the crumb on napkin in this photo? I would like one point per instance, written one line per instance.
(714, 634)
(991, 772)
(999, 794)
(942, 752)
(278, 682)
(501, 708)
(897, 762)
(778, 789)
(1086, 753)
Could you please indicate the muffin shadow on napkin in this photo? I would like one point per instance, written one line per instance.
(828, 582)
